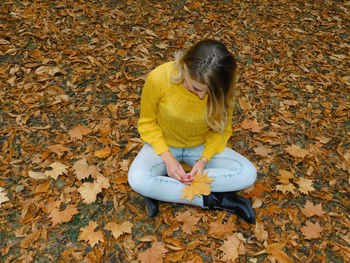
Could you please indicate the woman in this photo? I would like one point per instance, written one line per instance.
(186, 115)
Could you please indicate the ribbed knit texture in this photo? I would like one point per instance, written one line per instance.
(173, 116)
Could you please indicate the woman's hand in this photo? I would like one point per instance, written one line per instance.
(174, 168)
(198, 167)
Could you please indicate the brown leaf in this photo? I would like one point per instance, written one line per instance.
(310, 209)
(155, 254)
(189, 222)
(81, 169)
(231, 248)
(89, 192)
(89, 234)
(260, 233)
(103, 153)
(59, 149)
(199, 186)
(296, 151)
(252, 125)
(3, 197)
(262, 150)
(311, 230)
(286, 188)
(275, 250)
(244, 104)
(218, 230)
(285, 176)
(305, 185)
(78, 132)
(57, 170)
(37, 175)
(118, 230)
(63, 216)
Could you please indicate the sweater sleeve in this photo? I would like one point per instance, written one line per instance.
(148, 127)
(216, 142)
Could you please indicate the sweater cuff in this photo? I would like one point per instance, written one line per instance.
(208, 152)
(160, 147)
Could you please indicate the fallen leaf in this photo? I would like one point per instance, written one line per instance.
(232, 248)
(310, 209)
(260, 233)
(252, 125)
(78, 132)
(262, 151)
(102, 181)
(81, 169)
(189, 221)
(63, 216)
(89, 235)
(218, 230)
(118, 230)
(89, 192)
(57, 170)
(155, 254)
(199, 186)
(286, 188)
(37, 175)
(275, 250)
(311, 230)
(103, 153)
(58, 149)
(296, 151)
(305, 185)
(285, 176)
(3, 197)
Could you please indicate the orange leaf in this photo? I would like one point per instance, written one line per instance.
(89, 192)
(58, 149)
(305, 185)
(57, 170)
(311, 230)
(64, 216)
(232, 247)
(89, 235)
(262, 150)
(118, 230)
(154, 254)
(296, 151)
(199, 186)
(218, 230)
(286, 187)
(252, 125)
(103, 153)
(3, 197)
(78, 132)
(189, 222)
(275, 250)
(81, 169)
(260, 233)
(310, 209)
(285, 176)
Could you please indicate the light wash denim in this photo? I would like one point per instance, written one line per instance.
(148, 176)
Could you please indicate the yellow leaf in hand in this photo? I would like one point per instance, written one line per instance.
(199, 186)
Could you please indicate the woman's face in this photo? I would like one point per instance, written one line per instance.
(195, 87)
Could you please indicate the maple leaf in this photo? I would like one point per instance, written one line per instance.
(244, 105)
(64, 216)
(252, 125)
(285, 176)
(311, 230)
(231, 248)
(3, 197)
(103, 153)
(78, 132)
(89, 192)
(57, 170)
(262, 151)
(89, 234)
(310, 209)
(189, 222)
(286, 187)
(260, 233)
(81, 169)
(59, 149)
(218, 230)
(305, 185)
(118, 230)
(275, 250)
(154, 254)
(199, 186)
(296, 151)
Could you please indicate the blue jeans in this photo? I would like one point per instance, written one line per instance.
(147, 175)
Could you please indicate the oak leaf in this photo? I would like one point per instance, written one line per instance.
(89, 235)
(63, 216)
(296, 151)
(310, 209)
(118, 230)
(103, 153)
(232, 248)
(311, 230)
(3, 197)
(78, 132)
(275, 250)
(81, 169)
(252, 125)
(218, 230)
(154, 254)
(199, 186)
(189, 222)
(57, 170)
(286, 187)
(305, 185)
(89, 192)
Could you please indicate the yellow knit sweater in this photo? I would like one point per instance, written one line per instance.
(173, 116)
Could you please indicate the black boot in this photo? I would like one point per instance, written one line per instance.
(151, 206)
(231, 202)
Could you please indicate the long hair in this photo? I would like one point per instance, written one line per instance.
(209, 62)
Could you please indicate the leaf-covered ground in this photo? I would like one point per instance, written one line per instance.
(71, 75)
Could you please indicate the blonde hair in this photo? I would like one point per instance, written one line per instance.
(209, 62)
